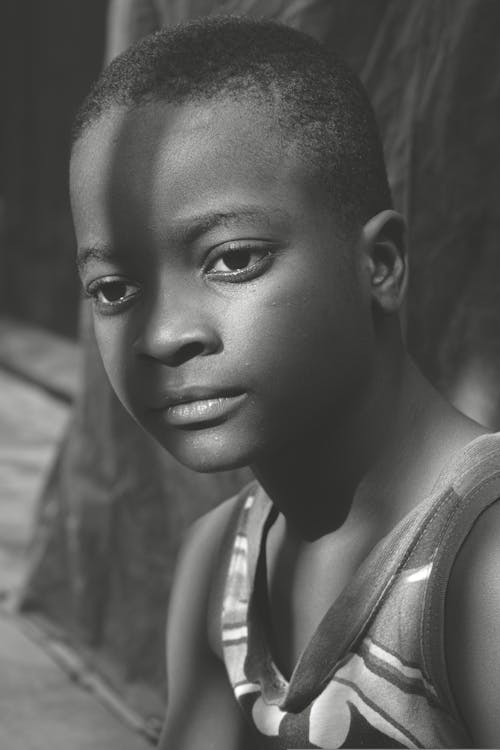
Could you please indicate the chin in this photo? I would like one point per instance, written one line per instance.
(206, 453)
(207, 462)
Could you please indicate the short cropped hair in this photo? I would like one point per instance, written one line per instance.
(317, 102)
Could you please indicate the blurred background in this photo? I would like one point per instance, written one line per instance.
(91, 511)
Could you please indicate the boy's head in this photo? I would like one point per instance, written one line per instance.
(318, 104)
(234, 227)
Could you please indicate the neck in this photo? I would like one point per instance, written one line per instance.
(376, 462)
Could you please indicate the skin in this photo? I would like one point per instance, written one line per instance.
(258, 335)
(471, 630)
(215, 262)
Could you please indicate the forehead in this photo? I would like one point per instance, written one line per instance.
(147, 166)
(162, 140)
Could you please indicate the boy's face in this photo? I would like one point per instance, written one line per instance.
(230, 318)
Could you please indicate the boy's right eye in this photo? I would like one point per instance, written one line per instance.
(111, 294)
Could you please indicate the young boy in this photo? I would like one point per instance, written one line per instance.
(246, 268)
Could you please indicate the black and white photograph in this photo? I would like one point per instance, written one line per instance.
(249, 374)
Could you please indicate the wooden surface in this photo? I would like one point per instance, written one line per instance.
(31, 425)
(48, 698)
(42, 709)
(49, 361)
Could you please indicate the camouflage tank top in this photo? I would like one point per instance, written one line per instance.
(373, 674)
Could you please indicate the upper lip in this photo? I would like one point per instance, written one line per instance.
(173, 397)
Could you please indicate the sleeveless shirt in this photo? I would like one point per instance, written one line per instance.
(373, 674)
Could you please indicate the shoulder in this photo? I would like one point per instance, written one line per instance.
(200, 550)
(199, 692)
(208, 535)
(208, 531)
(471, 628)
(199, 566)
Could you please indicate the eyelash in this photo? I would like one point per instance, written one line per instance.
(109, 307)
(231, 276)
(245, 274)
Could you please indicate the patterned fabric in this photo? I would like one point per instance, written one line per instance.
(364, 680)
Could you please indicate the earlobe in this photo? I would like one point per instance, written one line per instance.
(383, 238)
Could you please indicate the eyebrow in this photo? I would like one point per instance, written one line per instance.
(191, 228)
(94, 252)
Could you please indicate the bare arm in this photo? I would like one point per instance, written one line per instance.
(473, 630)
(202, 713)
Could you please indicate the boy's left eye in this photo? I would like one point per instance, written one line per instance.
(239, 262)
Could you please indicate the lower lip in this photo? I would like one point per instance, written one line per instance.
(203, 411)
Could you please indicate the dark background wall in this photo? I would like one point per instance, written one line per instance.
(50, 52)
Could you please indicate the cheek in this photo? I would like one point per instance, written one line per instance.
(316, 334)
(113, 347)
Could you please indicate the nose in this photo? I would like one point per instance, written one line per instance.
(177, 335)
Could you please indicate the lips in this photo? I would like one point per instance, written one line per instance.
(198, 406)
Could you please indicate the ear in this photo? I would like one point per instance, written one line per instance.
(385, 259)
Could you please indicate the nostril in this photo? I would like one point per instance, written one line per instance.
(174, 347)
(186, 352)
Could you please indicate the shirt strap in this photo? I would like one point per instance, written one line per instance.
(223, 559)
